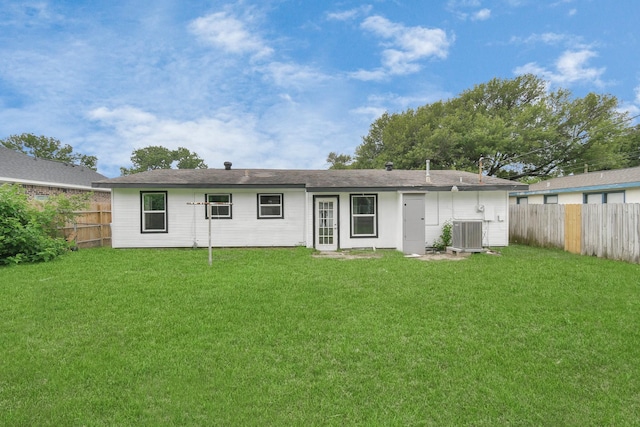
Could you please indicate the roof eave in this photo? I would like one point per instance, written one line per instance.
(189, 185)
(588, 188)
(47, 184)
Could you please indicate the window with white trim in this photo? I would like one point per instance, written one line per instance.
(364, 220)
(154, 212)
(219, 207)
(270, 206)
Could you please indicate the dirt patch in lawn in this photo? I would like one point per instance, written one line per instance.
(435, 256)
(347, 254)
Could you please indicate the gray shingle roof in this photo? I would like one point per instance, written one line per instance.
(617, 178)
(312, 180)
(19, 167)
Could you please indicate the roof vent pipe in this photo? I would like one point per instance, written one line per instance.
(227, 166)
(428, 176)
(388, 166)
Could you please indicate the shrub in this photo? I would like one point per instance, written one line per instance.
(445, 237)
(29, 233)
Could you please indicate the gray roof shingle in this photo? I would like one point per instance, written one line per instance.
(617, 178)
(312, 180)
(19, 167)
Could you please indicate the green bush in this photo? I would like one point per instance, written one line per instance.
(29, 233)
(445, 237)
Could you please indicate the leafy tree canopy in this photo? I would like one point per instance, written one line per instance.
(517, 126)
(48, 148)
(157, 157)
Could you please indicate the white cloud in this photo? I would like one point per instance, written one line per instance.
(552, 39)
(230, 34)
(348, 15)
(293, 75)
(225, 136)
(404, 46)
(463, 9)
(369, 75)
(455, 4)
(570, 67)
(481, 15)
(284, 135)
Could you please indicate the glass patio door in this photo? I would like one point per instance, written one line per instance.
(326, 226)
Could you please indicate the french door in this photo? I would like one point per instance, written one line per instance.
(326, 224)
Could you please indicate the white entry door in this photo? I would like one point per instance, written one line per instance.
(326, 226)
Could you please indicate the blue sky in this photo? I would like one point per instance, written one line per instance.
(281, 83)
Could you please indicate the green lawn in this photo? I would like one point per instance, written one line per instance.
(278, 337)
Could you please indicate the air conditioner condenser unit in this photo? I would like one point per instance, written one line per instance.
(466, 236)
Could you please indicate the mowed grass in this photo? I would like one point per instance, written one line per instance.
(278, 337)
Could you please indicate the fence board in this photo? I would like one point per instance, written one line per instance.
(91, 227)
(607, 231)
(573, 228)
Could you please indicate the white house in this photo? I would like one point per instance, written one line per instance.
(611, 186)
(322, 209)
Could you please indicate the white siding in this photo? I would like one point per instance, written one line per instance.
(569, 198)
(632, 195)
(490, 207)
(387, 216)
(187, 224)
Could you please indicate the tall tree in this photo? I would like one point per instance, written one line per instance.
(158, 157)
(48, 148)
(519, 128)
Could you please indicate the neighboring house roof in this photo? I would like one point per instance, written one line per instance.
(17, 167)
(591, 181)
(312, 180)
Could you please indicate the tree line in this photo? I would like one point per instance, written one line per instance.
(513, 128)
(143, 159)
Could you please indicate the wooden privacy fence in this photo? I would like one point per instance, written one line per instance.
(607, 231)
(92, 227)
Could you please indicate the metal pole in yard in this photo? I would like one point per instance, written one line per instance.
(210, 215)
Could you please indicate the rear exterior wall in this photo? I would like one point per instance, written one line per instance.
(189, 227)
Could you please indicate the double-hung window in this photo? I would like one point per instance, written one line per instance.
(154, 211)
(364, 220)
(270, 206)
(219, 206)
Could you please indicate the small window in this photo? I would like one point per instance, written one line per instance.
(551, 199)
(594, 198)
(154, 212)
(523, 200)
(220, 206)
(40, 198)
(270, 206)
(616, 197)
(364, 221)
